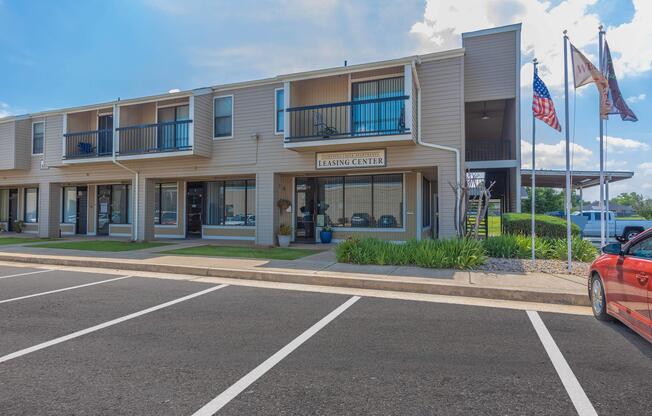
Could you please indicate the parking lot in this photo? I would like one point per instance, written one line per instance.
(76, 342)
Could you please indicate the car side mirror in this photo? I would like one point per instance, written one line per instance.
(613, 248)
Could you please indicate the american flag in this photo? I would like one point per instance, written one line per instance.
(542, 105)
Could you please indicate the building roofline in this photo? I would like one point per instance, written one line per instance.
(493, 30)
(452, 53)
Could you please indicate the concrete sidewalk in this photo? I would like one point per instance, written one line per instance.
(322, 269)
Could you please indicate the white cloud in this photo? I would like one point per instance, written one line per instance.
(620, 145)
(636, 98)
(553, 156)
(4, 108)
(543, 24)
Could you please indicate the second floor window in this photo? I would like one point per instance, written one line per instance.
(38, 134)
(279, 109)
(223, 112)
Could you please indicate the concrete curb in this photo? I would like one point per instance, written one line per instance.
(414, 285)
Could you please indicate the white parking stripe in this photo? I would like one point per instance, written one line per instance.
(229, 394)
(105, 324)
(26, 273)
(63, 289)
(573, 388)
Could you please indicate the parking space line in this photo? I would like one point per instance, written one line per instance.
(26, 273)
(106, 324)
(232, 392)
(573, 388)
(64, 289)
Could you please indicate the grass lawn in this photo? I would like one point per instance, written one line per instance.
(494, 225)
(275, 253)
(20, 240)
(99, 245)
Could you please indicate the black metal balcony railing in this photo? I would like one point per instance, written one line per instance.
(88, 144)
(481, 150)
(171, 136)
(361, 118)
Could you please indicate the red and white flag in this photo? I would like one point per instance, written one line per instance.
(584, 72)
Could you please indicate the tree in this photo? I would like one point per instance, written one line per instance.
(632, 199)
(547, 200)
(644, 208)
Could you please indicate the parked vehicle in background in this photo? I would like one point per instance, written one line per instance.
(622, 230)
(620, 284)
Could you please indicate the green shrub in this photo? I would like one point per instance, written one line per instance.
(444, 254)
(520, 247)
(545, 225)
(583, 250)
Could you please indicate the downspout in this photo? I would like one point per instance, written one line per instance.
(438, 146)
(134, 231)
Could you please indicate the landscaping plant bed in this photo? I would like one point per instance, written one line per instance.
(502, 265)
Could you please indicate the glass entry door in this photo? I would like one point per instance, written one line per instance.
(194, 209)
(305, 211)
(103, 209)
(105, 135)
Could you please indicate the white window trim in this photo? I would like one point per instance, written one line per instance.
(232, 117)
(277, 132)
(34, 123)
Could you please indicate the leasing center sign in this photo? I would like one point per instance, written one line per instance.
(354, 159)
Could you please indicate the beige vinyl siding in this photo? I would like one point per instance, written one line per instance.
(136, 114)
(490, 65)
(67, 229)
(8, 145)
(326, 90)
(120, 230)
(233, 233)
(382, 72)
(203, 125)
(82, 121)
(23, 149)
(53, 140)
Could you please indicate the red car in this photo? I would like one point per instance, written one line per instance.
(620, 284)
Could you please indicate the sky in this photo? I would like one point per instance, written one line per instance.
(69, 53)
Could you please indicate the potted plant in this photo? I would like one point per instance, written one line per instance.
(326, 234)
(284, 232)
(19, 225)
(283, 204)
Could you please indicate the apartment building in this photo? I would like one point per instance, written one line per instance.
(370, 149)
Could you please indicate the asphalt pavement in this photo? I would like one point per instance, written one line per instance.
(76, 342)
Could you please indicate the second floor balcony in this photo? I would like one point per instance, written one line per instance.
(169, 136)
(360, 118)
(351, 110)
(150, 129)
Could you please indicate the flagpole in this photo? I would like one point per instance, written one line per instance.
(568, 179)
(533, 198)
(602, 212)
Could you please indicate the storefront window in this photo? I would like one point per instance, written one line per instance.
(4, 205)
(69, 205)
(366, 201)
(331, 201)
(31, 205)
(166, 204)
(231, 203)
(388, 200)
(120, 204)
